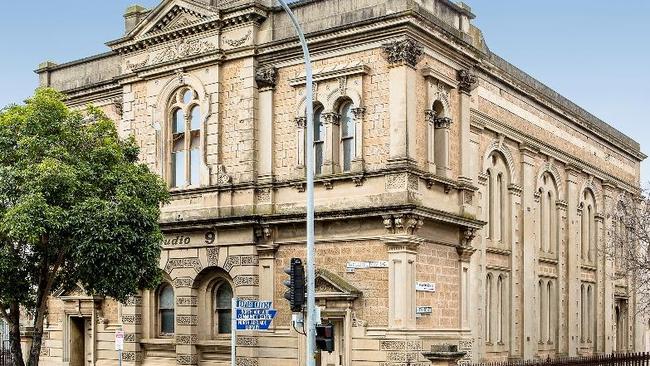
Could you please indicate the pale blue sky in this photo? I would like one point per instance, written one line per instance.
(594, 52)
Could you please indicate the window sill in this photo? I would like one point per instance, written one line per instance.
(159, 341)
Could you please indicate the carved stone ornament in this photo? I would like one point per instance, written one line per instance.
(442, 122)
(430, 115)
(358, 112)
(467, 81)
(182, 49)
(263, 233)
(331, 118)
(222, 177)
(301, 122)
(266, 77)
(405, 51)
(403, 224)
(117, 104)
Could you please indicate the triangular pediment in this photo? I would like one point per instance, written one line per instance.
(170, 16)
(331, 285)
(74, 291)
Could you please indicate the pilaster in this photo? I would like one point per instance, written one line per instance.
(528, 252)
(402, 56)
(467, 82)
(186, 328)
(573, 263)
(358, 161)
(605, 326)
(402, 246)
(265, 78)
(442, 126)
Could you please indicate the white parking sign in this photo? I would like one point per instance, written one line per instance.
(119, 340)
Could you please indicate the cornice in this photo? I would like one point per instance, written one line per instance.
(480, 118)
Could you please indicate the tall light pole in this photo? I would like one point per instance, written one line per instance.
(309, 160)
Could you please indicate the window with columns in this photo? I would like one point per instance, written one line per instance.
(498, 203)
(438, 125)
(184, 139)
(588, 232)
(496, 308)
(337, 144)
(548, 215)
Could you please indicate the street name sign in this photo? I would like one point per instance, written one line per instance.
(254, 315)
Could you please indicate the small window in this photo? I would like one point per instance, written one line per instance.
(319, 141)
(223, 309)
(166, 310)
(347, 136)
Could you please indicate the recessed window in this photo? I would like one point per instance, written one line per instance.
(347, 136)
(185, 140)
(223, 308)
(319, 141)
(166, 310)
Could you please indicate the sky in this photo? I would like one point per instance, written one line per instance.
(594, 52)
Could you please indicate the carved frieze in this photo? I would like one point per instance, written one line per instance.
(213, 256)
(406, 51)
(182, 49)
(246, 280)
(403, 224)
(175, 263)
(238, 42)
(182, 282)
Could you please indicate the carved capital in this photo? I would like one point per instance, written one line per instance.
(442, 122)
(467, 81)
(403, 224)
(403, 52)
(331, 118)
(465, 253)
(301, 122)
(222, 177)
(468, 235)
(266, 77)
(430, 115)
(358, 112)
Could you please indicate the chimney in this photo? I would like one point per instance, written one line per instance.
(132, 16)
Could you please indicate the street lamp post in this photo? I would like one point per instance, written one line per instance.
(310, 323)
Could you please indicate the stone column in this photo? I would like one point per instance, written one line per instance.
(358, 161)
(331, 123)
(465, 251)
(529, 300)
(441, 150)
(573, 262)
(606, 323)
(402, 251)
(266, 79)
(467, 82)
(403, 56)
(430, 116)
(301, 123)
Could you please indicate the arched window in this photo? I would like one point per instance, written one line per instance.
(347, 136)
(319, 140)
(488, 309)
(583, 313)
(589, 313)
(185, 139)
(498, 201)
(588, 232)
(549, 312)
(540, 301)
(549, 229)
(499, 310)
(223, 308)
(166, 310)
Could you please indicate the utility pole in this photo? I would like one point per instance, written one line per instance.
(310, 323)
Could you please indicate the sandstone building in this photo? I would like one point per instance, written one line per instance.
(439, 165)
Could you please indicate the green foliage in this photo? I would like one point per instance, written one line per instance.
(73, 195)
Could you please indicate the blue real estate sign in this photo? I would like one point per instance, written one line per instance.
(254, 315)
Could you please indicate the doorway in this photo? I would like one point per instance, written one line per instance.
(81, 341)
(336, 358)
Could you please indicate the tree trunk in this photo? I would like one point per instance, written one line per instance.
(14, 335)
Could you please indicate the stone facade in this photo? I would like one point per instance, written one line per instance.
(441, 165)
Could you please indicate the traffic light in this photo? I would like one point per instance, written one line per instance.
(296, 285)
(325, 337)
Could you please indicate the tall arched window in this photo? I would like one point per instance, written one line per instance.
(348, 130)
(590, 319)
(499, 310)
(498, 201)
(583, 314)
(185, 139)
(549, 229)
(540, 301)
(488, 309)
(319, 140)
(588, 232)
(549, 312)
(223, 308)
(166, 310)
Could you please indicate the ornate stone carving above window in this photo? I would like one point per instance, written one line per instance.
(467, 81)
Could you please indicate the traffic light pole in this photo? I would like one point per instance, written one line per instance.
(310, 323)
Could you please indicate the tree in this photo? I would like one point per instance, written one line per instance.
(628, 245)
(76, 207)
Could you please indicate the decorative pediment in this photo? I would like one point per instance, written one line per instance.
(333, 286)
(171, 20)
